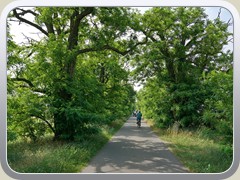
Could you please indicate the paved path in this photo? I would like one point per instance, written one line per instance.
(135, 150)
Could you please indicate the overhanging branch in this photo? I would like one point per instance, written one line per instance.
(29, 85)
(43, 119)
(24, 80)
(21, 19)
(108, 47)
(26, 12)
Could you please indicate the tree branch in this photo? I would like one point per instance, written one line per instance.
(43, 119)
(58, 29)
(108, 47)
(75, 21)
(87, 50)
(123, 53)
(29, 39)
(149, 36)
(230, 40)
(17, 15)
(24, 80)
(26, 11)
(219, 13)
(229, 22)
(86, 12)
(30, 85)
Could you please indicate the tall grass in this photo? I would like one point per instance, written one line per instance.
(200, 152)
(47, 156)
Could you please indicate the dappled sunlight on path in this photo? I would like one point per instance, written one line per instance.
(135, 150)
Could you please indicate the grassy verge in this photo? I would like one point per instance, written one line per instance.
(197, 151)
(47, 156)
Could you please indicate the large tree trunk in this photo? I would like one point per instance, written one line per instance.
(64, 126)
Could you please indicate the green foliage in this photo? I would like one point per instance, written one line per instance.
(186, 102)
(58, 156)
(153, 100)
(68, 82)
(218, 111)
(187, 75)
(77, 77)
(200, 151)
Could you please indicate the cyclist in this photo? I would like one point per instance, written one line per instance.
(139, 118)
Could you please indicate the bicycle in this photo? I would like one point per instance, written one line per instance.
(138, 123)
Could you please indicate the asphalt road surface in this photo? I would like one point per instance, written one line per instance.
(135, 150)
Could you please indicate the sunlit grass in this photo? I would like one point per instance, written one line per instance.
(47, 156)
(198, 152)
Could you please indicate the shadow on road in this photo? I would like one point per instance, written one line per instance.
(135, 150)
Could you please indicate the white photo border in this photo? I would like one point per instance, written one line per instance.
(129, 3)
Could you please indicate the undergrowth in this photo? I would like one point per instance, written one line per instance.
(201, 152)
(47, 156)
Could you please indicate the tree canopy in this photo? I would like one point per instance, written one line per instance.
(80, 73)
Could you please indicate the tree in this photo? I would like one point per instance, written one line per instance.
(183, 45)
(48, 68)
(182, 40)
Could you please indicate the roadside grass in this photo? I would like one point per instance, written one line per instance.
(199, 152)
(47, 156)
